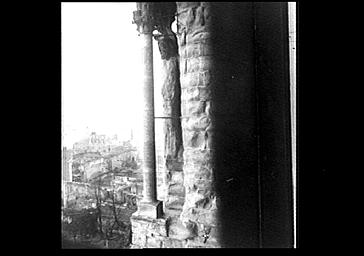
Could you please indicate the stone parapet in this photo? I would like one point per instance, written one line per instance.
(147, 232)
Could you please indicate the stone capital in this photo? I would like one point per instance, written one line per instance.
(143, 17)
(164, 15)
(152, 210)
(151, 16)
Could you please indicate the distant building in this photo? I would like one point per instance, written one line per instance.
(66, 164)
(96, 143)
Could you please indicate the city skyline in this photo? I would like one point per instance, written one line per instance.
(101, 72)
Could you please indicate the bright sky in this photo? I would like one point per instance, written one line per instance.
(102, 71)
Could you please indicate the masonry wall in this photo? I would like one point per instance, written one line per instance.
(218, 109)
(199, 213)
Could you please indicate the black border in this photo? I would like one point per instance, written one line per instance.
(40, 35)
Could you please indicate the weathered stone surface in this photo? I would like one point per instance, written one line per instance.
(189, 79)
(149, 225)
(170, 78)
(195, 108)
(186, 5)
(174, 202)
(196, 93)
(197, 66)
(194, 139)
(152, 210)
(176, 189)
(173, 212)
(197, 124)
(208, 218)
(205, 78)
(148, 232)
(135, 246)
(176, 166)
(174, 243)
(138, 238)
(181, 232)
(196, 158)
(154, 242)
(175, 177)
(201, 243)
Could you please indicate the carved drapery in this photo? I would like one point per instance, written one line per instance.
(164, 16)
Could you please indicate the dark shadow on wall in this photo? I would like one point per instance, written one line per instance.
(272, 83)
(234, 113)
(251, 111)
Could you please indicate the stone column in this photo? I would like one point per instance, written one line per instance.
(149, 205)
(149, 166)
(171, 92)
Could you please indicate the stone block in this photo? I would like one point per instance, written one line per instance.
(206, 63)
(197, 124)
(139, 240)
(174, 164)
(181, 6)
(206, 48)
(181, 232)
(200, 185)
(193, 65)
(154, 242)
(172, 212)
(144, 226)
(195, 244)
(199, 45)
(203, 241)
(150, 209)
(197, 93)
(194, 108)
(198, 35)
(176, 189)
(204, 203)
(196, 159)
(203, 173)
(205, 78)
(175, 177)
(193, 50)
(194, 197)
(174, 243)
(135, 246)
(208, 218)
(174, 198)
(189, 80)
(194, 139)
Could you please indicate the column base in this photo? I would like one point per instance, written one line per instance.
(150, 209)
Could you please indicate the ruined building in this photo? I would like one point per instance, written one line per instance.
(228, 126)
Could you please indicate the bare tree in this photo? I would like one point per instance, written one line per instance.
(99, 203)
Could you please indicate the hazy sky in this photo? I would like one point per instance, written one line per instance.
(102, 71)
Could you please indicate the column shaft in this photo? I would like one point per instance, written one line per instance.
(149, 165)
